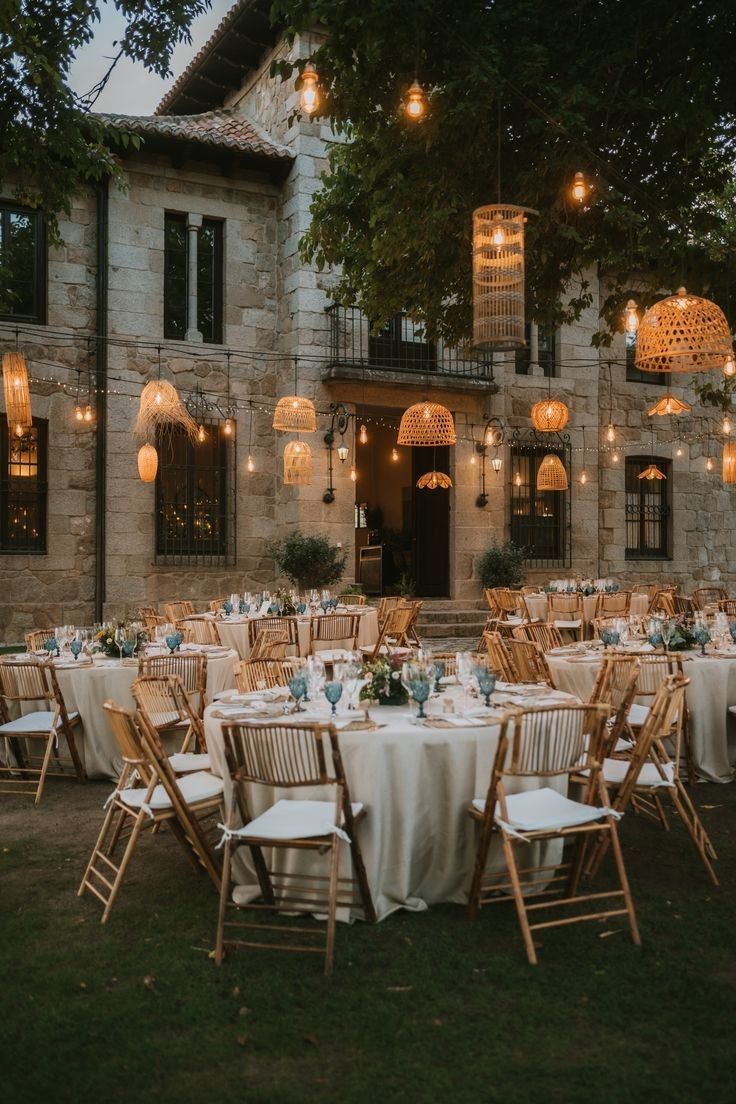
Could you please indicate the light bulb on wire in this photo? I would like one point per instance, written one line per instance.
(726, 425)
(631, 317)
(611, 433)
(415, 104)
(729, 366)
(678, 450)
(615, 458)
(354, 474)
(363, 435)
(517, 479)
(309, 91)
(88, 413)
(498, 234)
(394, 454)
(78, 413)
(201, 435)
(473, 460)
(227, 429)
(580, 188)
(583, 477)
(250, 464)
(709, 464)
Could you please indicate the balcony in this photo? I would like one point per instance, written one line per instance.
(397, 353)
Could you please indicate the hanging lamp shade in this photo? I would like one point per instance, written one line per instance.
(552, 475)
(147, 463)
(295, 415)
(426, 424)
(729, 462)
(161, 409)
(17, 393)
(297, 464)
(498, 276)
(668, 404)
(651, 473)
(549, 416)
(431, 480)
(682, 333)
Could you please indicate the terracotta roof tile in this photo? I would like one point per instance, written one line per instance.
(223, 129)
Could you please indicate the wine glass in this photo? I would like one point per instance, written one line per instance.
(298, 689)
(667, 631)
(486, 682)
(351, 680)
(50, 646)
(439, 673)
(76, 645)
(315, 676)
(419, 686)
(333, 693)
(119, 638)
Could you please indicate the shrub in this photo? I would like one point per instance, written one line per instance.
(309, 562)
(502, 565)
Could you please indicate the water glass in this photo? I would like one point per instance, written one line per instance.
(298, 689)
(228, 607)
(75, 647)
(419, 689)
(172, 642)
(486, 683)
(51, 645)
(333, 693)
(439, 673)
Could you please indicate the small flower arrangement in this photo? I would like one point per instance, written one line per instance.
(104, 640)
(384, 681)
(283, 598)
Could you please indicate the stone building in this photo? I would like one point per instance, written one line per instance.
(192, 272)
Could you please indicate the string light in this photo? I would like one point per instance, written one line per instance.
(726, 425)
(473, 460)
(363, 437)
(583, 477)
(678, 451)
(394, 454)
(517, 478)
(250, 463)
(201, 435)
(78, 413)
(580, 188)
(227, 429)
(615, 458)
(415, 104)
(611, 433)
(729, 366)
(88, 413)
(631, 317)
(709, 464)
(309, 91)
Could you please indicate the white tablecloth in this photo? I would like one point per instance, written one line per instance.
(417, 839)
(234, 633)
(536, 605)
(711, 691)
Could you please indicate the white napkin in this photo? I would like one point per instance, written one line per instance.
(461, 720)
(264, 609)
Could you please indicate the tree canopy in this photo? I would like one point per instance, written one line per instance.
(640, 97)
(49, 143)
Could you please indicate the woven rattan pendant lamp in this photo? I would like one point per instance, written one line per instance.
(652, 472)
(147, 463)
(729, 462)
(427, 424)
(550, 416)
(298, 464)
(432, 480)
(294, 414)
(161, 409)
(669, 404)
(17, 393)
(552, 475)
(682, 333)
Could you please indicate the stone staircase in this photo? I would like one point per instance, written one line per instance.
(443, 618)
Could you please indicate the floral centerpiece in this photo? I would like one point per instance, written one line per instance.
(284, 599)
(682, 638)
(104, 640)
(383, 681)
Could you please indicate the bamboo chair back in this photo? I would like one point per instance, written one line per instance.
(654, 669)
(682, 606)
(285, 756)
(125, 727)
(564, 607)
(492, 603)
(335, 626)
(613, 677)
(663, 603)
(527, 590)
(546, 635)
(353, 599)
(288, 625)
(449, 659)
(552, 740)
(190, 669)
(258, 674)
(216, 604)
(393, 632)
(34, 641)
(650, 589)
(165, 705)
(668, 704)
(508, 601)
(175, 611)
(726, 605)
(500, 659)
(708, 596)
(614, 605)
(622, 691)
(385, 606)
(529, 661)
(150, 616)
(199, 630)
(30, 681)
(270, 644)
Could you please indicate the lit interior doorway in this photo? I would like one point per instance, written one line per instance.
(411, 526)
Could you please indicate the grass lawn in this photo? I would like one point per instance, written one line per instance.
(421, 1007)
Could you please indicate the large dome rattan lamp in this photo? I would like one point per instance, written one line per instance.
(549, 416)
(682, 333)
(552, 475)
(426, 424)
(294, 414)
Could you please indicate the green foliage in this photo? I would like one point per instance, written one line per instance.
(309, 562)
(502, 565)
(47, 136)
(351, 588)
(641, 98)
(406, 586)
(718, 396)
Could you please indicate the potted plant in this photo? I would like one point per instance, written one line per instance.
(310, 563)
(502, 565)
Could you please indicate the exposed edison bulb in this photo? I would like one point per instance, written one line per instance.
(363, 435)
(354, 474)
(227, 429)
(473, 461)
(583, 476)
(157, 398)
(631, 317)
(726, 425)
(343, 452)
(201, 435)
(709, 464)
(309, 91)
(517, 479)
(88, 413)
(20, 430)
(78, 413)
(678, 451)
(611, 433)
(615, 458)
(250, 464)
(729, 366)
(579, 188)
(394, 454)
(498, 234)
(415, 104)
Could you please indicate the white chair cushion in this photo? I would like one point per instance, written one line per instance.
(294, 820)
(567, 624)
(184, 761)
(514, 619)
(638, 715)
(543, 810)
(333, 655)
(39, 722)
(614, 772)
(193, 787)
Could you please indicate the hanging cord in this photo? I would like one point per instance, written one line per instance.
(498, 148)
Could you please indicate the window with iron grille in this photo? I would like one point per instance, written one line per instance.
(648, 513)
(195, 499)
(540, 520)
(23, 488)
(402, 344)
(633, 375)
(546, 352)
(209, 278)
(22, 264)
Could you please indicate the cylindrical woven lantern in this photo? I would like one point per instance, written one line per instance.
(17, 393)
(551, 475)
(426, 424)
(549, 416)
(431, 480)
(161, 409)
(729, 462)
(669, 404)
(498, 276)
(295, 415)
(682, 333)
(147, 463)
(297, 463)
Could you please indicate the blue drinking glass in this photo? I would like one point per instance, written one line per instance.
(128, 646)
(419, 690)
(655, 639)
(51, 645)
(242, 607)
(228, 608)
(701, 636)
(172, 642)
(298, 688)
(302, 608)
(179, 640)
(75, 647)
(333, 603)
(273, 609)
(333, 693)
(486, 683)
(325, 604)
(439, 673)
(732, 630)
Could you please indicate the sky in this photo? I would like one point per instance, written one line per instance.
(132, 90)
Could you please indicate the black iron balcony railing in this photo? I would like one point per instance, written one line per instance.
(398, 347)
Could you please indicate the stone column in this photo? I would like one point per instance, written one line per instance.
(535, 368)
(194, 223)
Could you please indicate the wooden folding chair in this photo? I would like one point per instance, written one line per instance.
(682, 606)
(615, 687)
(449, 659)
(510, 604)
(175, 611)
(334, 626)
(650, 589)
(34, 641)
(709, 596)
(492, 603)
(24, 771)
(216, 604)
(352, 599)
(540, 632)
(529, 661)
(649, 774)
(494, 644)
(199, 630)
(291, 757)
(270, 644)
(726, 605)
(150, 616)
(287, 625)
(565, 612)
(191, 669)
(663, 604)
(258, 674)
(542, 744)
(613, 605)
(169, 711)
(148, 794)
(654, 669)
(392, 634)
(385, 606)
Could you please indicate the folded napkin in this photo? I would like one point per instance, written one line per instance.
(458, 720)
(64, 664)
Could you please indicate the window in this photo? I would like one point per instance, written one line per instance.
(176, 278)
(23, 488)
(22, 264)
(633, 375)
(647, 510)
(540, 520)
(402, 344)
(195, 498)
(546, 352)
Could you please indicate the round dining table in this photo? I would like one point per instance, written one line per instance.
(234, 632)
(536, 607)
(711, 691)
(416, 782)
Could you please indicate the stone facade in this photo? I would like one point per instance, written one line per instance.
(274, 311)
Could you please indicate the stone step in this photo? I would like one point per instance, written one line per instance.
(449, 617)
(438, 630)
